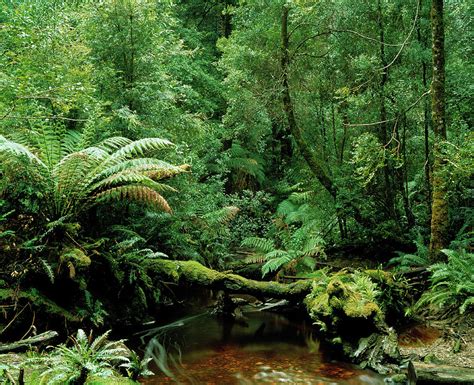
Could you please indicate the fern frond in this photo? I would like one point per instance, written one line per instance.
(100, 340)
(139, 193)
(113, 144)
(260, 244)
(141, 165)
(275, 260)
(70, 141)
(302, 197)
(221, 216)
(48, 270)
(138, 147)
(18, 150)
(286, 207)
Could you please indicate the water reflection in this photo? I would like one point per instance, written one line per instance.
(263, 348)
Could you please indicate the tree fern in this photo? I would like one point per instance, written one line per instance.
(221, 216)
(73, 180)
(135, 193)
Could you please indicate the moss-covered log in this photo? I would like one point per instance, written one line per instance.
(336, 302)
(193, 273)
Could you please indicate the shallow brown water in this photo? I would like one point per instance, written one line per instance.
(418, 335)
(265, 349)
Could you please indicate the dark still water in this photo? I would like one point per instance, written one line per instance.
(263, 348)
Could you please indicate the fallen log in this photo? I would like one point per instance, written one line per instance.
(443, 374)
(336, 302)
(43, 337)
(193, 273)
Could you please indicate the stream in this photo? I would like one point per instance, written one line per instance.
(261, 348)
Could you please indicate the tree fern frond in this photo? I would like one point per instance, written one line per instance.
(302, 197)
(113, 144)
(49, 143)
(70, 141)
(16, 149)
(130, 177)
(286, 207)
(138, 147)
(138, 193)
(139, 165)
(221, 216)
(274, 262)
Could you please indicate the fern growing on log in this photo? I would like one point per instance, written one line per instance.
(298, 240)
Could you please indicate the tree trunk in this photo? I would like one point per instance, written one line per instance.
(439, 208)
(426, 108)
(309, 156)
(295, 130)
(388, 188)
(27, 342)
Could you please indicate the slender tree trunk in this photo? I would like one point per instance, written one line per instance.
(426, 108)
(439, 208)
(388, 188)
(303, 147)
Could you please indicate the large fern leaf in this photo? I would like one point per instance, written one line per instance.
(260, 244)
(138, 193)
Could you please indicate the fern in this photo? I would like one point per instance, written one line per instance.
(406, 261)
(452, 283)
(47, 269)
(99, 357)
(136, 193)
(221, 216)
(72, 181)
(275, 260)
(261, 244)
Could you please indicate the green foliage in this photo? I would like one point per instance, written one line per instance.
(405, 261)
(451, 283)
(137, 367)
(6, 374)
(95, 357)
(71, 181)
(336, 296)
(3, 218)
(368, 158)
(297, 234)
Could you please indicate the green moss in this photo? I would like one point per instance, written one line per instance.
(341, 295)
(110, 381)
(380, 276)
(40, 301)
(76, 256)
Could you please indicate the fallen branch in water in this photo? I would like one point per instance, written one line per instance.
(43, 337)
(443, 374)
